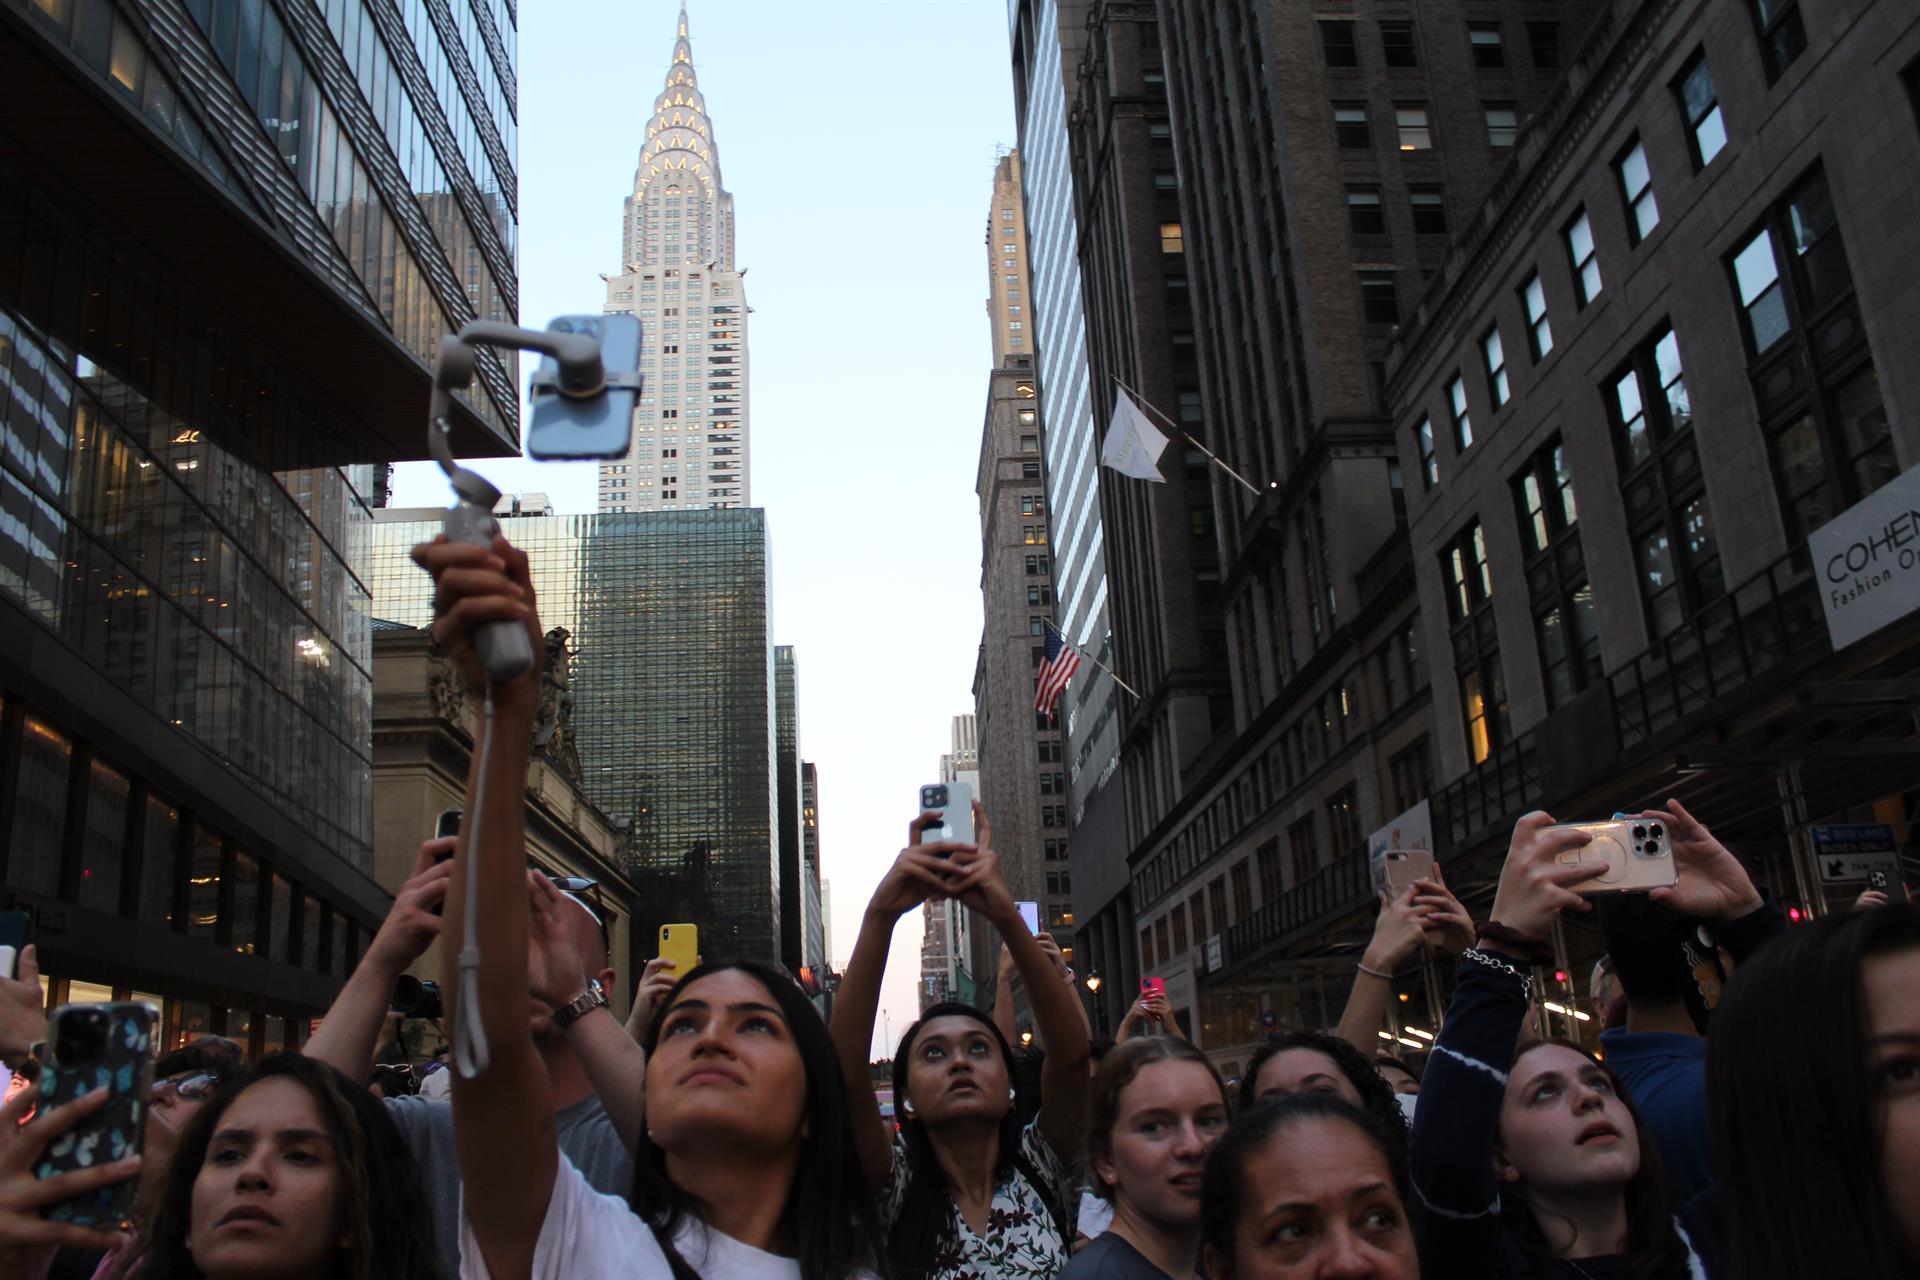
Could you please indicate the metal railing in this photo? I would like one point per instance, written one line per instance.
(1491, 794)
(1768, 621)
(1340, 886)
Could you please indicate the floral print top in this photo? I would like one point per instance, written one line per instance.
(1023, 1237)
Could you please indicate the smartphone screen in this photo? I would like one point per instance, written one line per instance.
(1030, 913)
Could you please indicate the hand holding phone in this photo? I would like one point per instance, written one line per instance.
(1030, 916)
(1627, 855)
(953, 801)
(1153, 988)
(680, 943)
(93, 1046)
(13, 940)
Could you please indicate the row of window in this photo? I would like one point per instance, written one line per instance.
(1413, 127)
(1400, 44)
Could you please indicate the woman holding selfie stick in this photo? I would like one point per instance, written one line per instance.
(963, 1188)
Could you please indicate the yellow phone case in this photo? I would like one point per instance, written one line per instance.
(680, 943)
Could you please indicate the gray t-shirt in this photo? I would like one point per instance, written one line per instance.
(1111, 1258)
(584, 1131)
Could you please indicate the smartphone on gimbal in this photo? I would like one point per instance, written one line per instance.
(563, 427)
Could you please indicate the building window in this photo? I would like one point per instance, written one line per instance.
(1029, 444)
(1503, 124)
(1166, 180)
(1586, 262)
(1171, 240)
(1429, 464)
(1701, 105)
(1533, 296)
(1636, 188)
(1029, 471)
(1146, 949)
(1350, 126)
(1826, 423)
(1337, 42)
(1397, 42)
(1489, 51)
(1241, 878)
(1565, 624)
(1666, 503)
(1476, 644)
(1429, 211)
(1494, 355)
(1379, 297)
(1415, 133)
(1411, 776)
(1457, 411)
(1035, 626)
(1782, 34)
(1217, 900)
(1365, 215)
(1543, 42)
(1302, 850)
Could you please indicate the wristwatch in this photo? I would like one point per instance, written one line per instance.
(594, 997)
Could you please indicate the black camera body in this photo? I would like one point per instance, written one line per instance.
(416, 998)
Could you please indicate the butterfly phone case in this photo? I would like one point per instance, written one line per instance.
(97, 1046)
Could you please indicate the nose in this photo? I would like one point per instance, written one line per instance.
(1189, 1143)
(1346, 1256)
(254, 1173)
(1586, 1098)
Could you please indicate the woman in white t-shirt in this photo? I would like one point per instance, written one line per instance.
(746, 1169)
(964, 1190)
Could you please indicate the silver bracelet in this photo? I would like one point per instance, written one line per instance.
(1374, 972)
(1481, 957)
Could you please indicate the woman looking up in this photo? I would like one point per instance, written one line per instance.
(1533, 1164)
(744, 1169)
(1158, 1108)
(963, 1188)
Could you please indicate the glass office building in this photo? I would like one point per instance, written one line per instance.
(231, 232)
(673, 691)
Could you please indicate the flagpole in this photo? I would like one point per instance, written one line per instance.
(1144, 403)
(1090, 658)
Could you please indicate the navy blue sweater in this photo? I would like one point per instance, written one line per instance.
(1454, 1128)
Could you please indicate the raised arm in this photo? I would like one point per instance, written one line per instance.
(1424, 917)
(656, 980)
(1061, 1026)
(919, 873)
(503, 1119)
(351, 1032)
(1455, 1126)
(615, 1064)
(1003, 1016)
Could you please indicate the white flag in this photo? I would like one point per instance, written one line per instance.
(1133, 445)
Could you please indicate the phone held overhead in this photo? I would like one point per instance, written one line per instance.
(680, 943)
(1628, 855)
(953, 801)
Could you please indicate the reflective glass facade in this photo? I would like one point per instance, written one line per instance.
(673, 694)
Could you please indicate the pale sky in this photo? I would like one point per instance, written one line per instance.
(858, 138)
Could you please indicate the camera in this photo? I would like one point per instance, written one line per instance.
(415, 998)
(80, 1034)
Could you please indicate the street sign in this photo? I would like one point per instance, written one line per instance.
(1214, 964)
(1846, 854)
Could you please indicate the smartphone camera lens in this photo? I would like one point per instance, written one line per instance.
(1639, 831)
(82, 1037)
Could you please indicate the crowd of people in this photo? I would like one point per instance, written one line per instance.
(1754, 1113)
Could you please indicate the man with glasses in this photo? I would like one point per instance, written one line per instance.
(594, 1069)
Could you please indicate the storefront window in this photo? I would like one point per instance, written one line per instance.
(101, 849)
(203, 886)
(39, 809)
(157, 862)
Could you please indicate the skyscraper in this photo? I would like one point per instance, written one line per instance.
(1047, 37)
(673, 684)
(690, 432)
(231, 234)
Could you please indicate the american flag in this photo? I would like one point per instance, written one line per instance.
(1062, 661)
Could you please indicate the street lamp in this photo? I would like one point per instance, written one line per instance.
(1026, 1038)
(1093, 981)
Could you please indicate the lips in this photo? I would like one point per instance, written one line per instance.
(1188, 1183)
(248, 1213)
(1598, 1129)
(963, 1085)
(711, 1075)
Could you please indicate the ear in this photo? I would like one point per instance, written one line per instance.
(1503, 1171)
(607, 978)
(1219, 1266)
(1103, 1169)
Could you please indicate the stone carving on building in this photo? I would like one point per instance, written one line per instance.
(553, 739)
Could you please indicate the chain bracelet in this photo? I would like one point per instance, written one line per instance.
(1480, 957)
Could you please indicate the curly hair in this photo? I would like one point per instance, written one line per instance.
(383, 1204)
(1653, 1249)
(1376, 1095)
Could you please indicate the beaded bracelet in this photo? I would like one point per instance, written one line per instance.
(1480, 957)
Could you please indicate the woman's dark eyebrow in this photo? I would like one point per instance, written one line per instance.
(743, 1006)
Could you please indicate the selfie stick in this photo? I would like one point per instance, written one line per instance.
(503, 646)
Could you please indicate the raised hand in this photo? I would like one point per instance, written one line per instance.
(25, 1238)
(413, 922)
(23, 1012)
(1447, 924)
(1398, 933)
(981, 885)
(1533, 883)
(473, 585)
(656, 980)
(920, 873)
(1712, 884)
(554, 971)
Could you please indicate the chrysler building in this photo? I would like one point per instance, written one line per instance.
(690, 434)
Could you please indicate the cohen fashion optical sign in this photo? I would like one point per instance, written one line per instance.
(1867, 561)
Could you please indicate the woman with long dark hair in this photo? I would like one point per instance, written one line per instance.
(963, 1188)
(1313, 1062)
(745, 1168)
(290, 1171)
(1158, 1108)
(1304, 1187)
(1532, 1163)
(1813, 1089)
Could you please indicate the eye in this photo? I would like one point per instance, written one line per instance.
(1600, 1084)
(1380, 1218)
(677, 1025)
(1212, 1120)
(1291, 1232)
(224, 1155)
(978, 1049)
(1324, 1089)
(762, 1024)
(302, 1156)
(933, 1053)
(1895, 1072)
(1153, 1128)
(1546, 1092)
